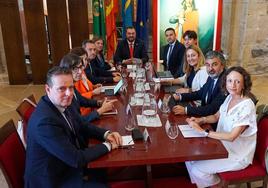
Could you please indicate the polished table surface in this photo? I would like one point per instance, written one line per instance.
(161, 149)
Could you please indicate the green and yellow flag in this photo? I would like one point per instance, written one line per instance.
(98, 18)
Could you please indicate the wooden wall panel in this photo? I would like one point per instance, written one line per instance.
(58, 29)
(13, 43)
(78, 21)
(37, 39)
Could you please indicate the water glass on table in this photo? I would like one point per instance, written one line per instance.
(171, 130)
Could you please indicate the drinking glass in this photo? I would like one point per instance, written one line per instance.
(157, 87)
(164, 107)
(139, 90)
(147, 66)
(141, 74)
(149, 108)
(171, 130)
(131, 116)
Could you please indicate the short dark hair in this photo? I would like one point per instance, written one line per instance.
(70, 61)
(190, 33)
(170, 29)
(215, 54)
(84, 43)
(246, 78)
(130, 27)
(55, 71)
(78, 51)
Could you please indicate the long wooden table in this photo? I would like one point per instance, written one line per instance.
(161, 149)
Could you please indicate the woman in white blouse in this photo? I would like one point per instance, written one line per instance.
(236, 129)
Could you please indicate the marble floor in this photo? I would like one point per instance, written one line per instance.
(11, 95)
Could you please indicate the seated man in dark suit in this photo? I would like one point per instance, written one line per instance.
(173, 54)
(130, 48)
(95, 74)
(57, 139)
(210, 94)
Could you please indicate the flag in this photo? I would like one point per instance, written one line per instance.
(111, 10)
(142, 20)
(126, 15)
(98, 19)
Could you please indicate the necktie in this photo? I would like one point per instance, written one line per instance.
(70, 123)
(131, 50)
(169, 53)
(210, 90)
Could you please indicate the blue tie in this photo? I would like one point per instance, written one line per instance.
(70, 122)
(210, 90)
(169, 53)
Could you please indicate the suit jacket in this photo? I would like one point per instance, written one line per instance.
(122, 51)
(52, 157)
(81, 101)
(207, 107)
(175, 64)
(101, 63)
(97, 75)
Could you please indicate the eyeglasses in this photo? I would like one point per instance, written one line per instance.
(76, 69)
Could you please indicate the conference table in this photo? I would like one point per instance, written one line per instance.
(160, 149)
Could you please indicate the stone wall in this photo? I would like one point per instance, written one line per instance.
(245, 34)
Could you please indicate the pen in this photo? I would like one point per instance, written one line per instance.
(130, 141)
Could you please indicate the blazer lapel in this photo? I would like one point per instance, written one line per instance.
(57, 112)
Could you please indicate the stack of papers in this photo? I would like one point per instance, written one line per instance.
(156, 122)
(189, 132)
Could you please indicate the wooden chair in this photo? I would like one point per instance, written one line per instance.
(12, 155)
(25, 110)
(258, 169)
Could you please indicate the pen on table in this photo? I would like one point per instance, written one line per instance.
(130, 141)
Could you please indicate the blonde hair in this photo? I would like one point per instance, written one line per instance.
(201, 59)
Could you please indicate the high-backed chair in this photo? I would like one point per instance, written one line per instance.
(25, 110)
(12, 155)
(258, 169)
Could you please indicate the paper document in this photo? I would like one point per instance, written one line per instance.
(189, 132)
(127, 140)
(106, 87)
(153, 122)
(112, 112)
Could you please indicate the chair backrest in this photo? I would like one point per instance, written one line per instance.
(25, 110)
(12, 155)
(262, 140)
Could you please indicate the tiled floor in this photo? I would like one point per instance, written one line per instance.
(10, 96)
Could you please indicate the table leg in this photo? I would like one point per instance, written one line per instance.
(149, 182)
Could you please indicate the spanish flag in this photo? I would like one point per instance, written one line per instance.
(111, 10)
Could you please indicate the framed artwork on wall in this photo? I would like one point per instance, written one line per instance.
(202, 16)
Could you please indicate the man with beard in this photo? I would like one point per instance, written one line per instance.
(173, 54)
(130, 48)
(210, 94)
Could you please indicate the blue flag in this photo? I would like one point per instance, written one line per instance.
(142, 20)
(126, 15)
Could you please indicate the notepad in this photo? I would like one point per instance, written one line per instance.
(127, 140)
(189, 132)
(112, 112)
